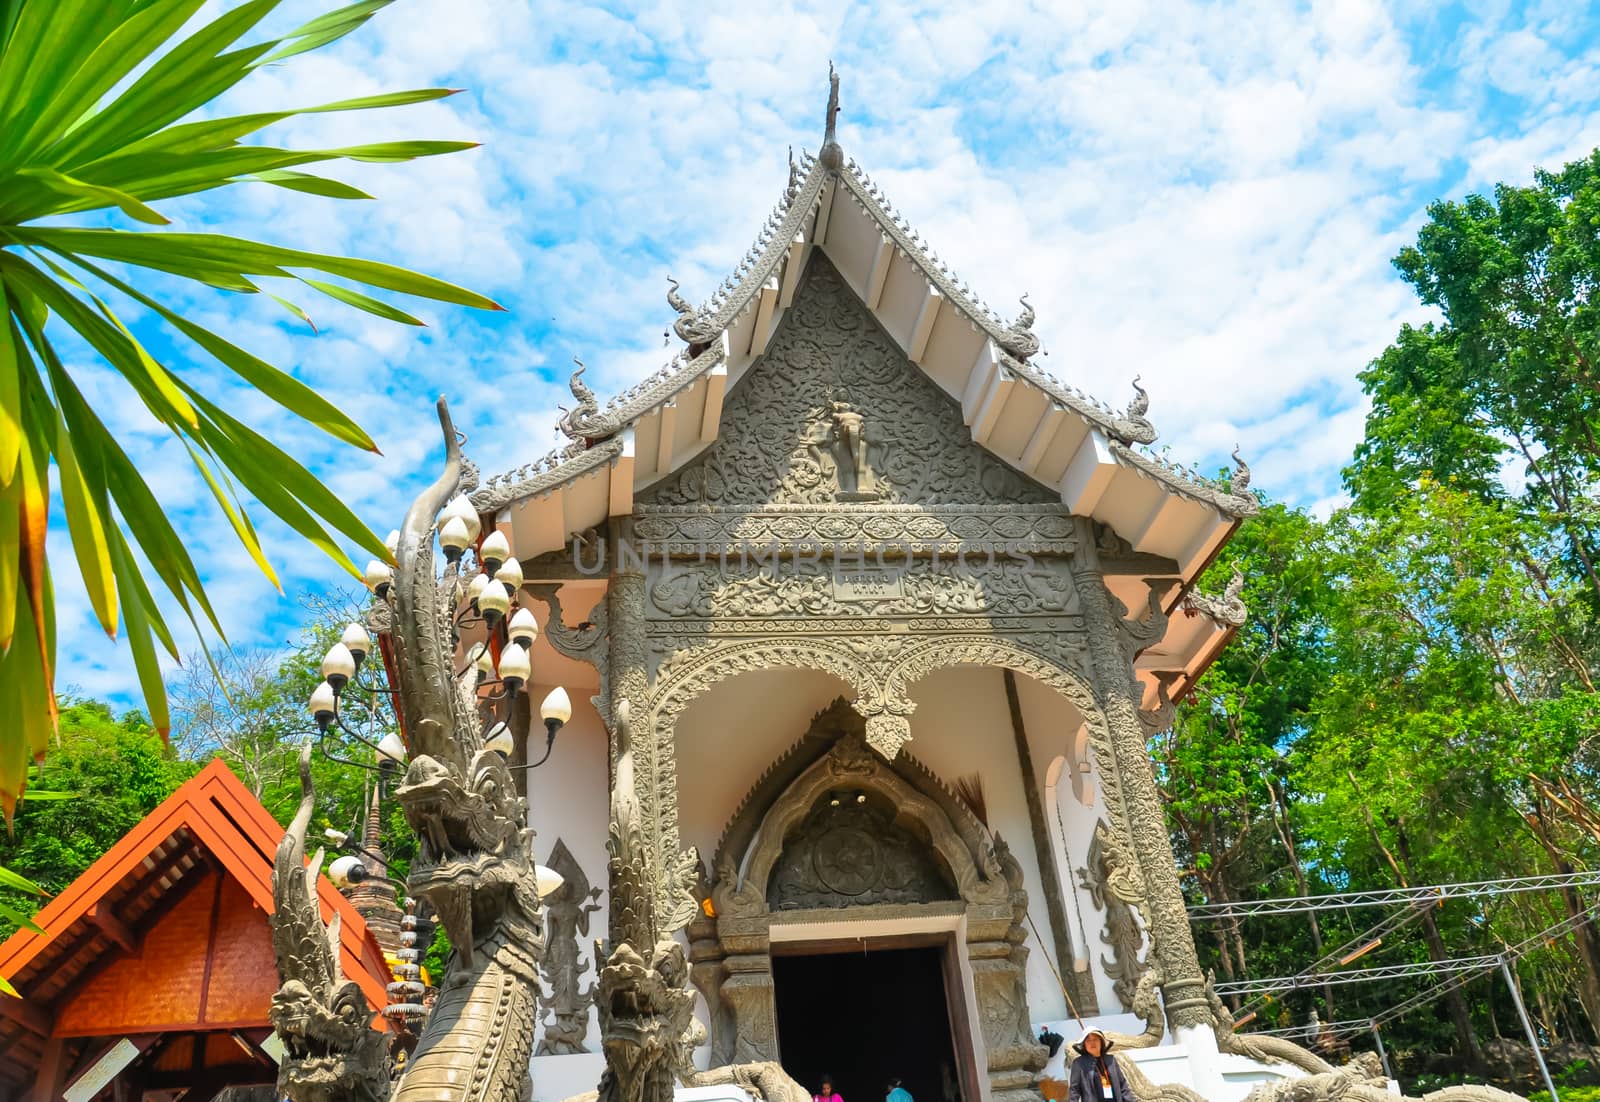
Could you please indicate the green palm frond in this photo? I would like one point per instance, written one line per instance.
(94, 95)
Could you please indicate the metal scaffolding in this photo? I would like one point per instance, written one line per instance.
(1460, 971)
(1388, 897)
(1356, 946)
(1404, 971)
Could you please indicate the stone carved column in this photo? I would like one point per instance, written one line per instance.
(747, 993)
(998, 986)
(706, 972)
(1141, 813)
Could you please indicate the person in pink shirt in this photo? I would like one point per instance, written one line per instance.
(827, 1093)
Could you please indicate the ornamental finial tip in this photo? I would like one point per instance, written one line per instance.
(831, 155)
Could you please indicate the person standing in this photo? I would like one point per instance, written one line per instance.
(827, 1093)
(897, 1092)
(1095, 1076)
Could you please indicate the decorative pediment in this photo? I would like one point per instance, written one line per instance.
(835, 413)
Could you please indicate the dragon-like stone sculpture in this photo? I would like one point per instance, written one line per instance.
(647, 1023)
(474, 862)
(474, 850)
(331, 1053)
(646, 1012)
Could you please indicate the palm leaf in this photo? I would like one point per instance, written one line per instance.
(97, 106)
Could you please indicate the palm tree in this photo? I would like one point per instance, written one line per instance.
(102, 108)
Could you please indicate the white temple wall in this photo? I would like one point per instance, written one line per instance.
(568, 798)
(1070, 794)
(962, 726)
(730, 736)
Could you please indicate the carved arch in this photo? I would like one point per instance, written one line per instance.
(743, 874)
(927, 656)
(687, 674)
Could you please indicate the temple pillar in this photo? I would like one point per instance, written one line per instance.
(1141, 814)
(748, 994)
(996, 958)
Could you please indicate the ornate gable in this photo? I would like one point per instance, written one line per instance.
(835, 412)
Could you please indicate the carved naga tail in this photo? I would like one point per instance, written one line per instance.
(475, 858)
(331, 1051)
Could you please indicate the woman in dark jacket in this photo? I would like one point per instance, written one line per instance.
(1095, 1076)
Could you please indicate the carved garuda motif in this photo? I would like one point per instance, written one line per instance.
(835, 412)
(331, 1052)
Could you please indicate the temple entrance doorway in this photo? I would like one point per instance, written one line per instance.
(867, 1011)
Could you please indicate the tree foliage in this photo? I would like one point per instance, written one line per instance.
(1413, 701)
(103, 112)
(113, 772)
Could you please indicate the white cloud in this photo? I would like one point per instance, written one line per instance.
(1204, 194)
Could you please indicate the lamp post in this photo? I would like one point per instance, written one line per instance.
(502, 658)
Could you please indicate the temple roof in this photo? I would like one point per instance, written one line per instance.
(1096, 457)
(166, 934)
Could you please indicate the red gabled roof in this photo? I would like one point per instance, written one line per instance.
(212, 824)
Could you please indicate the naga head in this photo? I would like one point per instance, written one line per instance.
(330, 1050)
(474, 858)
(474, 861)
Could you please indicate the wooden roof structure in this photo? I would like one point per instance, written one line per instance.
(158, 960)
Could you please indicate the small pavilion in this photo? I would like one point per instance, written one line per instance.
(155, 970)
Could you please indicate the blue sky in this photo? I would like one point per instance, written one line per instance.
(1206, 195)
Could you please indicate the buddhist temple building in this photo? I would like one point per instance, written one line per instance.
(155, 969)
(895, 612)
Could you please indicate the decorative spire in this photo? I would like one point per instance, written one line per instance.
(579, 423)
(675, 300)
(832, 157)
(1241, 477)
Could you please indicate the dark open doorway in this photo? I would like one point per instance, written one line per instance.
(864, 1016)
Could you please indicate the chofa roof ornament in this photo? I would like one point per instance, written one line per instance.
(1241, 478)
(1019, 338)
(832, 157)
(583, 422)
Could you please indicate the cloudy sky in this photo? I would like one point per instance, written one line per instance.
(1206, 194)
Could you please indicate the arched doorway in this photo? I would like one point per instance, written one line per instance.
(837, 853)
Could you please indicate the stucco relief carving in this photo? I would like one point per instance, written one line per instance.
(849, 852)
(566, 1007)
(1122, 933)
(833, 406)
(1005, 586)
(849, 765)
(966, 530)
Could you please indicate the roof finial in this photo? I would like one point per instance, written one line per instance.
(676, 300)
(1141, 400)
(831, 156)
(1241, 477)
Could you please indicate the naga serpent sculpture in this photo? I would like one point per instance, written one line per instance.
(331, 1053)
(648, 1029)
(1361, 1080)
(474, 862)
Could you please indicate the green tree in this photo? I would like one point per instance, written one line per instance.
(103, 110)
(115, 772)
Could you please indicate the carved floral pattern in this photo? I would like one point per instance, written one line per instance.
(779, 431)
